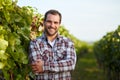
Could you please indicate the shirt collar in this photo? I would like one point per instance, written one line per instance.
(45, 38)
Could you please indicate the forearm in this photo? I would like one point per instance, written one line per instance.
(64, 65)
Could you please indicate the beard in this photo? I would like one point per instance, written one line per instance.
(51, 31)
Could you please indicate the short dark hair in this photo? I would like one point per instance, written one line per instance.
(54, 12)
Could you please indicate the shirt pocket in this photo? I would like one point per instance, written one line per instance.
(45, 54)
(60, 54)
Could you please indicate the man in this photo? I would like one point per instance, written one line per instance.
(52, 56)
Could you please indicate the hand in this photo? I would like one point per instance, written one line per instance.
(37, 66)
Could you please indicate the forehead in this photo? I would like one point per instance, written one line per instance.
(55, 17)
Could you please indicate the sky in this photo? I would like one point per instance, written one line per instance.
(87, 20)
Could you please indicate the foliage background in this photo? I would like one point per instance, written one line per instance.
(95, 61)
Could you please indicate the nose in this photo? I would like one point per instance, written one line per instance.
(52, 24)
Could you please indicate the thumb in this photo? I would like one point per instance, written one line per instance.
(38, 60)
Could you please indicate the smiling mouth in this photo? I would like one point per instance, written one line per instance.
(50, 28)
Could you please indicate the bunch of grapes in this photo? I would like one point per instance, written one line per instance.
(3, 46)
(36, 26)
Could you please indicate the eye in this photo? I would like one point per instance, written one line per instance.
(52, 22)
(56, 22)
(48, 21)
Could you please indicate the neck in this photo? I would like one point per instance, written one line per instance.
(51, 38)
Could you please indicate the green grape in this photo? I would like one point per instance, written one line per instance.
(2, 65)
(3, 44)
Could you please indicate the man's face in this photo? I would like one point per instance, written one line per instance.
(52, 24)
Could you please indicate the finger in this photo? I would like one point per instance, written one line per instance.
(38, 60)
(33, 64)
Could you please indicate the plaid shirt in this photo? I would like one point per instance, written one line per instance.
(59, 60)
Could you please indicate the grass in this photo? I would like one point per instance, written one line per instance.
(87, 69)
